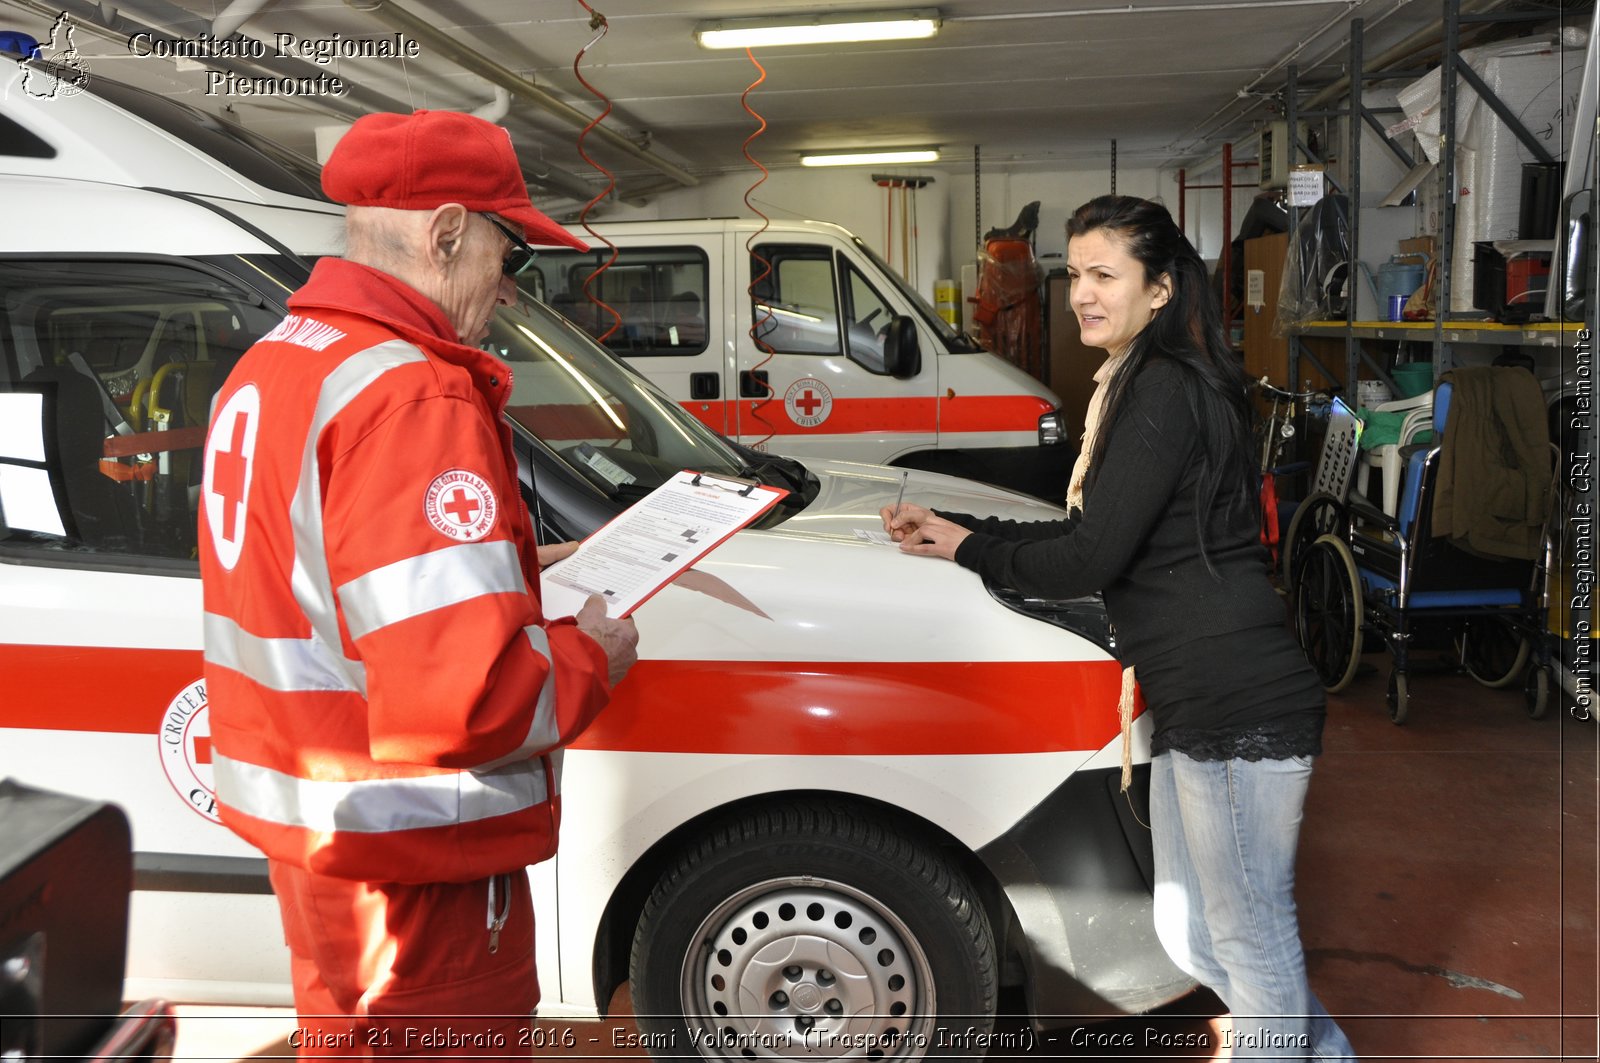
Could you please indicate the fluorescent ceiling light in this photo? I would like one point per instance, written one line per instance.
(819, 29)
(864, 158)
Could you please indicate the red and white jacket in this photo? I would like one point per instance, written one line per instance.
(384, 688)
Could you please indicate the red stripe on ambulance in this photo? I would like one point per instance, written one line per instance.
(746, 707)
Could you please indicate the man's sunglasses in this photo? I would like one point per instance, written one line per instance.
(520, 257)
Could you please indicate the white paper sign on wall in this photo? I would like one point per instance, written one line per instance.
(1305, 186)
(1255, 288)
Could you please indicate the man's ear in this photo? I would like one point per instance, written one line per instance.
(1163, 292)
(447, 233)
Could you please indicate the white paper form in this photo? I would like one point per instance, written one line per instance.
(652, 542)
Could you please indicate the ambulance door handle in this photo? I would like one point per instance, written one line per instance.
(704, 386)
(753, 384)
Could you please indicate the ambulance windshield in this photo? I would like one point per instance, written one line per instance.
(608, 422)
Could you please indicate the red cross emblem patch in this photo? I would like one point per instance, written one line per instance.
(460, 505)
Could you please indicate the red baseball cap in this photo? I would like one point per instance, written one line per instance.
(425, 159)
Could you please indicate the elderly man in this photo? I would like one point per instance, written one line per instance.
(385, 691)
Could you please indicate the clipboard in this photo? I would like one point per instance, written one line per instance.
(653, 542)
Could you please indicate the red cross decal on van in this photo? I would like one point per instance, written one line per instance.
(808, 402)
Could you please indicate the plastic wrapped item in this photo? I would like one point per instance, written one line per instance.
(1538, 82)
(1008, 315)
(1316, 271)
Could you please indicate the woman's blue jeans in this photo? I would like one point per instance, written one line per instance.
(1225, 834)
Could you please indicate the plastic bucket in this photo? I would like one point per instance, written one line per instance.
(1413, 378)
(1397, 278)
(1371, 392)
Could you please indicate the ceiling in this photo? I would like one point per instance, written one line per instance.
(1028, 83)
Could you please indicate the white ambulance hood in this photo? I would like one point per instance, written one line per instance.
(852, 495)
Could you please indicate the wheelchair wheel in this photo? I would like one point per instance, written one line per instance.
(1327, 612)
(1397, 698)
(1536, 692)
(1320, 514)
(1494, 652)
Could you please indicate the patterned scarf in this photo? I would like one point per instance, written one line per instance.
(1091, 428)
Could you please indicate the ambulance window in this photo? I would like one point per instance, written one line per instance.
(793, 304)
(107, 370)
(661, 296)
(867, 316)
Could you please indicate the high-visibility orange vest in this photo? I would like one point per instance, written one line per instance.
(384, 690)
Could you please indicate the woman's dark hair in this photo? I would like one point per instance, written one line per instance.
(1186, 331)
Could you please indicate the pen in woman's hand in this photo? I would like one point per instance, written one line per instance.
(901, 497)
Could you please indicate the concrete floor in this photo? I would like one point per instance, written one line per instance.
(1447, 887)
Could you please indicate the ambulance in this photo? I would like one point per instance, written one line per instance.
(795, 337)
(845, 798)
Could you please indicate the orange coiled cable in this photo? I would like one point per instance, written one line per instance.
(766, 266)
(597, 21)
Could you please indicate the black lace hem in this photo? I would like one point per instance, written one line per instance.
(1300, 737)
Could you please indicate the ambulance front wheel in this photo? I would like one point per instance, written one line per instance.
(812, 931)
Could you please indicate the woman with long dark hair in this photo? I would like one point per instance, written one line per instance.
(1162, 519)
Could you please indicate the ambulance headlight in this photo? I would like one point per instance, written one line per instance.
(1052, 428)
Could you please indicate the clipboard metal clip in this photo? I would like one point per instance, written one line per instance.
(704, 479)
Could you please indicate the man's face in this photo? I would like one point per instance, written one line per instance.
(477, 283)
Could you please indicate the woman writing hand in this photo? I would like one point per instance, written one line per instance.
(921, 531)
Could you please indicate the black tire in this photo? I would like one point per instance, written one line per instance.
(1327, 613)
(811, 931)
(1320, 514)
(1536, 693)
(1494, 652)
(1397, 698)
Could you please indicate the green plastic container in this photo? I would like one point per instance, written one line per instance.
(1413, 378)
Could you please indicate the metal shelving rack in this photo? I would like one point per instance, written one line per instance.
(1443, 333)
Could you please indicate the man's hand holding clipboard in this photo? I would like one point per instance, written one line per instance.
(652, 542)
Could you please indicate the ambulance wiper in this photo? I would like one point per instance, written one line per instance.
(630, 493)
(771, 469)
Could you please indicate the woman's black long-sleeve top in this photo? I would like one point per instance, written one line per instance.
(1218, 668)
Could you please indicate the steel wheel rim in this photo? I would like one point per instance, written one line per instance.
(841, 977)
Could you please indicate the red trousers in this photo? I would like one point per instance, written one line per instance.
(391, 970)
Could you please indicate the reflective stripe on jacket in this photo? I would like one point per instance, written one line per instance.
(384, 689)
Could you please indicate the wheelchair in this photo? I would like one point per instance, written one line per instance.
(1372, 575)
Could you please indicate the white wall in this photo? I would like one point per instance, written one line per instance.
(945, 208)
(846, 196)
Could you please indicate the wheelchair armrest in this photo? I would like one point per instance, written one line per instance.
(1364, 511)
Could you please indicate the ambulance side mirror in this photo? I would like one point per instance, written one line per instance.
(902, 356)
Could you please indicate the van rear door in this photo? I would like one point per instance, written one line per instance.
(818, 374)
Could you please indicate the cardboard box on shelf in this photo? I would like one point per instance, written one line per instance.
(1417, 245)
